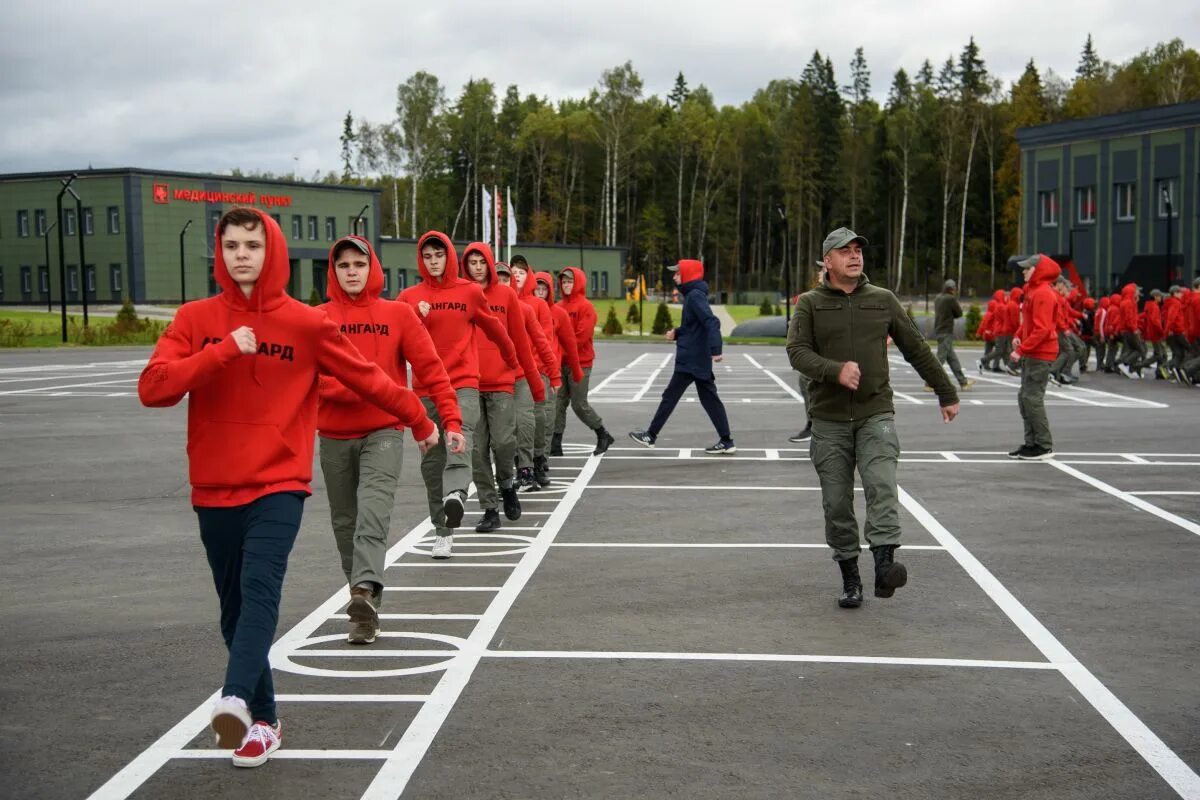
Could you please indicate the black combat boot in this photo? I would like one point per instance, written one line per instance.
(890, 574)
(604, 440)
(541, 471)
(512, 506)
(489, 522)
(851, 584)
(556, 445)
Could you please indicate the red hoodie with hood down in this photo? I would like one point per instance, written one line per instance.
(456, 307)
(582, 313)
(1039, 339)
(540, 326)
(389, 334)
(566, 349)
(1012, 315)
(251, 418)
(1129, 308)
(494, 374)
(1174, 322)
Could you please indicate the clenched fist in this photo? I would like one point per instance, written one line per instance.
(850, 375)
(246, 342)
(423, 307)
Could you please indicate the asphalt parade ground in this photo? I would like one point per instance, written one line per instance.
(659, 623)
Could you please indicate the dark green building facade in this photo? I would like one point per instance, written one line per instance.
(132, 220)
(1099, 190)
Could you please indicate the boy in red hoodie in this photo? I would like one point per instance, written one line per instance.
(1012, 324)
(572, 284)
(1175, 327)
(248, 360)
(1156, 335)
(1036, 348)
(1133, 350)
(496, 431)
(531, 415)
(566, 350)
(452, 308)
(362, 447)
(988, 332)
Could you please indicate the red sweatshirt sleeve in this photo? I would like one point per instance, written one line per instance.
(174, 370)
(418, 349)
(330, 390)
(1041, 328)
(336, 356)
(493, 328)
(542, 346)
(520, 338)
(570, 347)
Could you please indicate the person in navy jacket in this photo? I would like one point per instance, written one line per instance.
(697, 347)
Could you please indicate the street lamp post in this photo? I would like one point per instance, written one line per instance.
(182, 285)
(358, 219)
(787, 273)
(83, 287)
(49, 293)
(1166, 196)
(62, 257)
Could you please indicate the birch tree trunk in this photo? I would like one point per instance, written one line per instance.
(903, 220)
(962, 225)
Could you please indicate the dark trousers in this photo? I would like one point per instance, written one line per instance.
(247, 548)
(707, 389)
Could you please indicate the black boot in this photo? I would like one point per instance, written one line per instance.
(512, 506)
(541, 471)
(604, 440)
(890, 574)
(490, 521)
(556, 445)
(851, 584)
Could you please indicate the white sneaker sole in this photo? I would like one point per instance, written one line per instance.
(1043, 457)
(728, 451)
(258, 761)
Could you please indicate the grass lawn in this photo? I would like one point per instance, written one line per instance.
(42, 329)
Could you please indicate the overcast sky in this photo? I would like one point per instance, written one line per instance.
(264, 85)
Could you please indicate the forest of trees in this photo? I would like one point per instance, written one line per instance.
(931, 176)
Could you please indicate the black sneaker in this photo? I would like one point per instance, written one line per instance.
(512, 506)
(525, 481)
(453, 505)
(1017, 453)
(851, 584)
(556, 445)
(1057, 381)
(890, 574)
(541, 471)
(642, 437)
(1035, 454)
(721, 449)
(802, 436)
(604, 440)
(490, 521)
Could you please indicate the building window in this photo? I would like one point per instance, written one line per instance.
(359, 228)
(26, 281)
(1, 283)
(72, 279)
(114, 219)
(39, 221)
(312, 228)
(69, 221)
(1125, 196)
(87, 222)
(1166, 191)
(297, 227)
(387, 282)
(44, 280)
(595, 285)
(278, 221)
(604, 284)
(401, 280)
(114, 279)
(1085, 205)
(89, 277)
(1048, 203)
(330, 229)
(23, 224)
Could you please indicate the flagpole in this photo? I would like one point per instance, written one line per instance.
(496, 216)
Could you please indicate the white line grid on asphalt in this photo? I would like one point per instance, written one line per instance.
(457, 657)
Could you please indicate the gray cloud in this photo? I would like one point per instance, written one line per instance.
(184, 85)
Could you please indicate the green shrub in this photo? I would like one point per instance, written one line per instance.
(974, 317)
(764, 309)
(777, 311)
(15, 334)
(633, 316)
(662, 320)
(612, 325)
(314, 299)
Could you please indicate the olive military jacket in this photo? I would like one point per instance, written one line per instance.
(831, 327)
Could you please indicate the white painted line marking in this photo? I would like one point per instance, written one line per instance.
(722, 488)
(351, 698)
(1135, 459)
(771, 455)
(442, 564)
(417, 616)
(950, 456)
(1178, 774)
(441, 588)
(1133, 500)
(772, 657)
(600, 386)
(685, 453)
(734, 545)
(307, 755)
(649, 381)
(360, 652)
(1162, 493)
(799, 398)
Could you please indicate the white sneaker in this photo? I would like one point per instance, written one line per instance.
(261, 740)
(442, 545)
(230, 721)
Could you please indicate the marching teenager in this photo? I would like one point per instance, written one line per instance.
(1035, 349)
(248, 360)
(496, 430)
(572, 285)
(531, 413)
(452, 309)
(697, 346)
(361, 448)
(566, 351)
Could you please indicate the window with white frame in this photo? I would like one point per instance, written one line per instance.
(1167, 190)
(1048, 203)
(87, 222)
(114, 219)
(1085, 205)
(1125, 201)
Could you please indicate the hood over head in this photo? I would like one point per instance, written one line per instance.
(1046, 270)
(998, 295)
(580, 289)
(451, 275)
(486, 252)
(374, 285)
(1089, 303)
(1129, 291)
(276, 272)
(1016, 293)
(546, 278)
(689, 270)
(1104, 302)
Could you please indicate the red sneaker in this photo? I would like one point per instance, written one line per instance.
(261, 740)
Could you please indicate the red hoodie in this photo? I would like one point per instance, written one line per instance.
(251, 419)
(457, 307)
(1012, 315)
(388, 334)
(1129, 308)
(540, 327)
(1102, 324)
(1153, 330)
(1038, 338)
(582, 313)
(987, 325)
(494, 374)
(1192, 310)
(566, 350)
(1174, 323)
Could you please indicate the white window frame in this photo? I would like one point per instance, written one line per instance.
(1085, 205)
(1048, 202)
(114, 277)
(1125, 201)
(23, 224)
(114, 219)
(1172, 187)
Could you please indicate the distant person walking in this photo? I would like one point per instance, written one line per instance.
(946, 309)
(1036, 348)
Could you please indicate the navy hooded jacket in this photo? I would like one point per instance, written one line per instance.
(698, 337)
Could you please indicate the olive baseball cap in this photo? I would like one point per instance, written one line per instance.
(1028, 262)
(840, 238)
(502, 268)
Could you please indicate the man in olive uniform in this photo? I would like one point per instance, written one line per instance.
(838, 338)
(945, 310)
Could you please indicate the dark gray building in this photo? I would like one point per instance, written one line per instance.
(1099, 190)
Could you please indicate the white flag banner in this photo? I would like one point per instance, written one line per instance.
(487, 214)
(512, 221)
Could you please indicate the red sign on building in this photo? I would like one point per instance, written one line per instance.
(162, 193)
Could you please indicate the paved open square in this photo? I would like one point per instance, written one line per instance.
(659, 622)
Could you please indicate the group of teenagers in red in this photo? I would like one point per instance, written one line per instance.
(498, 352)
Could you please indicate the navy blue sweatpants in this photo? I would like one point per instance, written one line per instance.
(248, 548)
(707, 389)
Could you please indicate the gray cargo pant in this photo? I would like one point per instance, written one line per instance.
(946, 355)
(1031, 401)
(526, 413)
(543, 424)
(872, 446)
(575, 395)
(443, 471)
(360, 481)
(804, 382)
(496, 432)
